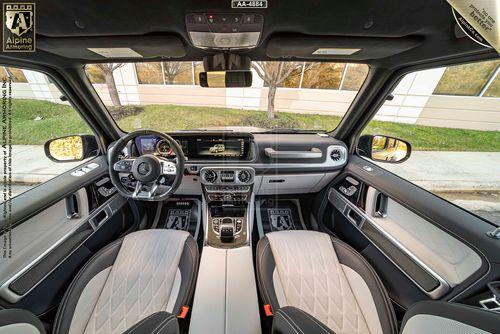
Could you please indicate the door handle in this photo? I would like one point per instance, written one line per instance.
(72, 207)
(311, 154)
(381, 206)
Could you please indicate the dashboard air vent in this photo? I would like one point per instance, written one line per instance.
(210, 176)
(244, 176)
(337, 154)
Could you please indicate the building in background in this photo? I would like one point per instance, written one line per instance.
(433, 97)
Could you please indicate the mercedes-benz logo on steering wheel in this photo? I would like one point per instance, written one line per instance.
(144, 168)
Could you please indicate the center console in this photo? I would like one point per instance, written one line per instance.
(226, 299)
(228, 205)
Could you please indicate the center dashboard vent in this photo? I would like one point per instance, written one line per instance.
(244, 176)
(210, 176)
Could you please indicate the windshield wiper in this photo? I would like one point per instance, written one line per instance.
(294, 130)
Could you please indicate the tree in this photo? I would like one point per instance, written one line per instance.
(172, 68)
(108, 69)
(274, 73)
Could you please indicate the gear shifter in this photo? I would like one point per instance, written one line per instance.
(227, 230)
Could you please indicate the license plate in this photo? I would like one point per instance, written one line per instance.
(249, 4)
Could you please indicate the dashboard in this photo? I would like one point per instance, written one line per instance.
(266, 153)
(275, 160)
(199, 147)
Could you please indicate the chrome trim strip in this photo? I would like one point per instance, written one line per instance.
(328, 163)
(12, 297)
(314, 153)
(339, 200)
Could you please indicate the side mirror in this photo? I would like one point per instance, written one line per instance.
(384, 148)
(71, 148)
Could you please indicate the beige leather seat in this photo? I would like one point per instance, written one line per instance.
(142, 280)
(315, 283)
(324, 278)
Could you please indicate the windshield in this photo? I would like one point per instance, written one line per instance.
(166, 96)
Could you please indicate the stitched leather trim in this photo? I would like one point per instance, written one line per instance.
(265, 268)
(99, 261)
(188, 266)
(350, 257)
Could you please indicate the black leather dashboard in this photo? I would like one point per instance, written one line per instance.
(265, 152)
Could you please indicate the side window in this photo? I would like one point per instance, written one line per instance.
(451, 118)
(39, 113)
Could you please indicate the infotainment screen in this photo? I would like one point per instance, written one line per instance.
(220, 147)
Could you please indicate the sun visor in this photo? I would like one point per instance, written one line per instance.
(113, 47)
(331, 47)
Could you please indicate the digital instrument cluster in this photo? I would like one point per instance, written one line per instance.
(197, 147)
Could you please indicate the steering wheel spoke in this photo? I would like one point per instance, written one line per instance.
(145, 191)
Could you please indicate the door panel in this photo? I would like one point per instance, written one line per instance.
(44, 231)
(447, 257)
(76, 217)
(431, 248)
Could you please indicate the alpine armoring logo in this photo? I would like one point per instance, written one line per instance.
(19, 27)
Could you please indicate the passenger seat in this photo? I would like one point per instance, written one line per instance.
(314, 283)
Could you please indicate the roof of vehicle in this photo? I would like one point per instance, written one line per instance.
(390, 33)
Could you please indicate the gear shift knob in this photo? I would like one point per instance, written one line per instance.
(227, 230)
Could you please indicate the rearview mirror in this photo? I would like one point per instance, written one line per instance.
(71, 148)
(384, 148)
(226, 79)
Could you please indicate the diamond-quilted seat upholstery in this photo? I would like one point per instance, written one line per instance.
(145, 277)
(311, 274)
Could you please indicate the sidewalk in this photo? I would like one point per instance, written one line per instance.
(434, 171)
(30, 165)
(450, 171)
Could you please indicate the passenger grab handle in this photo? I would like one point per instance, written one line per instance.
(311, 154)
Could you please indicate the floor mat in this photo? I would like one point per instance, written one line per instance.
(179, 214)
(278, 215)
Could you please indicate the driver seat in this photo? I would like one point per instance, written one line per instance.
(138, 284)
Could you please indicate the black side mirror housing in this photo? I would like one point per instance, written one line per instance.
(384, 148)
(71, 148)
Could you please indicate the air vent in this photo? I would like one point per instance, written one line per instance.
(337, 154)
(244, 176)
(210, 176)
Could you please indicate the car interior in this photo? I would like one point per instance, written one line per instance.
(243, 230)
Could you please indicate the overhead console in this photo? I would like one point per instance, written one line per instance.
(224, 31)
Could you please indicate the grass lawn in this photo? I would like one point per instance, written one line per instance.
(59, 120)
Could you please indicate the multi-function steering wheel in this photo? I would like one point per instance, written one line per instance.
(153, 174)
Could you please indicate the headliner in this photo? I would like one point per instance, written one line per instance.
(392, 33)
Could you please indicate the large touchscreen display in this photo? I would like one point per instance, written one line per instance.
(223, 147)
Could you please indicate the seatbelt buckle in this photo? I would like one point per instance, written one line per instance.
(268, 310)
(183, 313)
